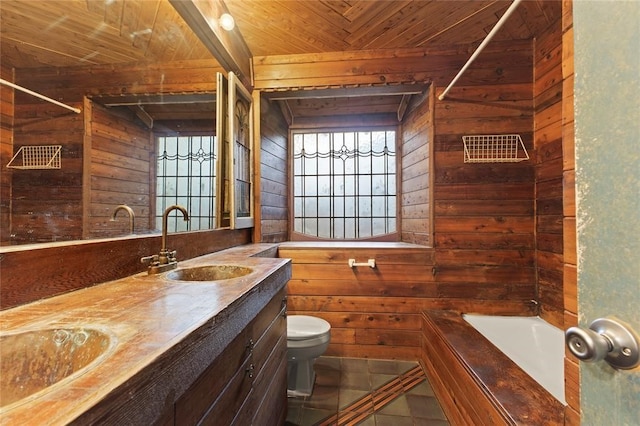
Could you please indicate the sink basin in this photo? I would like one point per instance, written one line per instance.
(32, 361)
(209, 273)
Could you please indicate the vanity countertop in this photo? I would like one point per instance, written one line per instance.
(153, 320)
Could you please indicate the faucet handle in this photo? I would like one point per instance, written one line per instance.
(167, 256)
(150, 259)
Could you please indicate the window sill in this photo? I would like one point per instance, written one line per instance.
(301, 245)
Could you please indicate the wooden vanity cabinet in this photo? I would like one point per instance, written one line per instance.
(247, 383)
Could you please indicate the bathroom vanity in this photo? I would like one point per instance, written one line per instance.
(179, 351)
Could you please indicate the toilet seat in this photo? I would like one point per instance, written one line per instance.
(304, 327)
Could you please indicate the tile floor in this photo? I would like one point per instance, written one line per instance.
(357, 391)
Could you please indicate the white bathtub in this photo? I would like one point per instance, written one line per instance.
(532, 343)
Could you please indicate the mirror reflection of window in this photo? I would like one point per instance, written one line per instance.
(242, 157)
(186, 175)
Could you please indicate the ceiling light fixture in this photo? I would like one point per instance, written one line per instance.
(227, 22)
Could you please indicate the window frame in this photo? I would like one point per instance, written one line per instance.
(229, 90)
(390, 237)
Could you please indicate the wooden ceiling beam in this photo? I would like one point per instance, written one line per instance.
(346, 121)
(286, 111)
(402, 108)
(157, 99)
(228, 47)
(143, 116)
(349, 92)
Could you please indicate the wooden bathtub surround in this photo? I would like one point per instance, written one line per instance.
(475, 382)
(208, 349)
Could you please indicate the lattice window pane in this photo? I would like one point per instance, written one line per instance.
(344, 181)
(186, 176)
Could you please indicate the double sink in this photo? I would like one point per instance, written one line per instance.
(36, 361)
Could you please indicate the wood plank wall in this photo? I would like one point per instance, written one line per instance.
(6, 152)
(547, 92)
(366, 67)
(47, 270)
(483, 258)
(52, 199)
(373, 312)
(47, 204)
(274, 174)
(121, 163)
(484, 223)
(71, 84)
(416, 208)
(569, 275)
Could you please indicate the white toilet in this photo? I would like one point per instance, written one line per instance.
(307, 338)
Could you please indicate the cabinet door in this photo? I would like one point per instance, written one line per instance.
(249, 377)
(202, 395)
(267, 402)
(226, 407)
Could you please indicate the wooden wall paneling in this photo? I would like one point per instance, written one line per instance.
(438, 65)
(415, 158)
(570, 279)
(373, 312)
(6, 153)
(485, 235)
(274, 176)
(483, 213)
(70, 84)
(65, 268)
(548, 97)
(339, 253)
(43, 200)
(119, 167)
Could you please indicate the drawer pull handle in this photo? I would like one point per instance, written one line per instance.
(249, 370)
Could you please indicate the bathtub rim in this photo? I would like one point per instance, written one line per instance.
(553, 385)
(457, 357)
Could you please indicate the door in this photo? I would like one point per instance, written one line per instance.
(607, 126)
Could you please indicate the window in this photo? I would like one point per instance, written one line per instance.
(344, 184)
(186, 176)
(234, 109)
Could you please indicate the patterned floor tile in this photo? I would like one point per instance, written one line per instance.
(359, 391)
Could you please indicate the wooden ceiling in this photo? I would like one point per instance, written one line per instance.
(282, 27)
(61, 33)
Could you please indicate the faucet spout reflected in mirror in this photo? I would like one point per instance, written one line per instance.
(166, 259)
(129, 210)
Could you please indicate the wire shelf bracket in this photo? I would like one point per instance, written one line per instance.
(36, 157)
(494, 149)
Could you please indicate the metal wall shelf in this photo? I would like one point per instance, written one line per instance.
(36, 157)
(494, 149)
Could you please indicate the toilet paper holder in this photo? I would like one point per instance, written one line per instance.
(370, 263)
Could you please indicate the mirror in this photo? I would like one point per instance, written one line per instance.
(144, 84)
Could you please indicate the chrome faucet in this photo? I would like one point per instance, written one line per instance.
(128, 210)
(166, 259)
